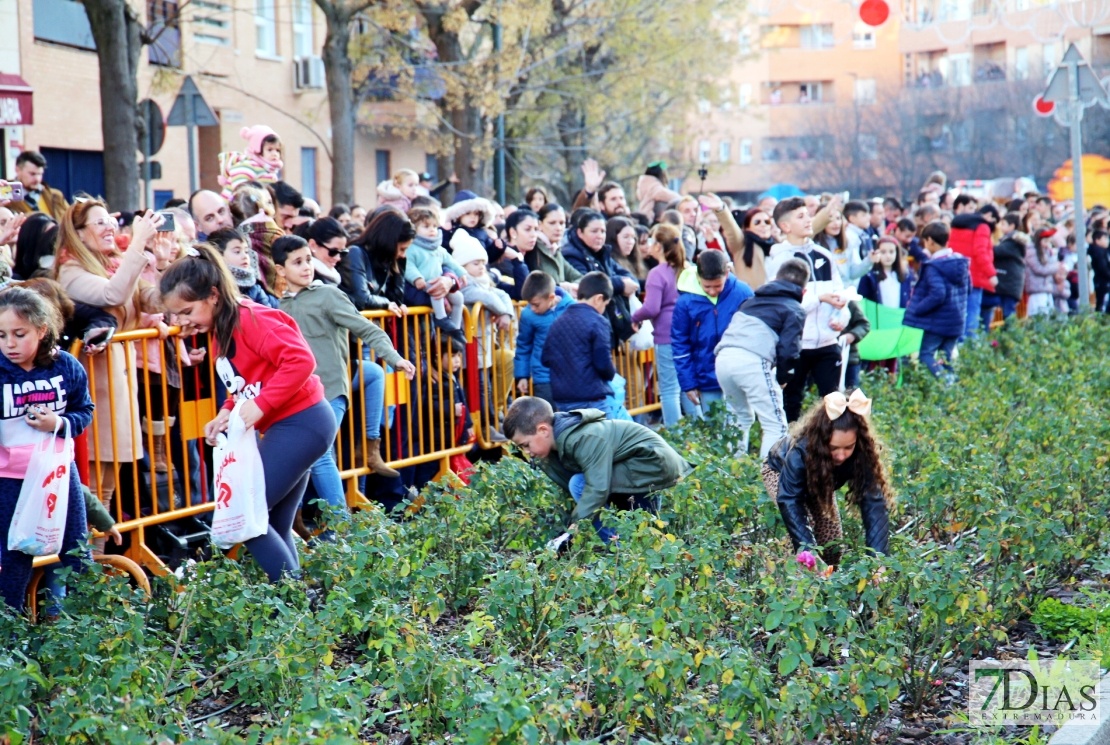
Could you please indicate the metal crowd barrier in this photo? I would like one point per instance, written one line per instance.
(415, 430)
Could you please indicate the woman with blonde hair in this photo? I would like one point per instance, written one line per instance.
(92, 269)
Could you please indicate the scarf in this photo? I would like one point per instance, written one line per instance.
(244, 278)
(428, 245)
(750, 241)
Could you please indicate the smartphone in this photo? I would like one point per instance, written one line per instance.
(170, 224)
(99, 336)
(11, 191)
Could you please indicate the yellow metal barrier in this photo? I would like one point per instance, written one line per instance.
(132, 384)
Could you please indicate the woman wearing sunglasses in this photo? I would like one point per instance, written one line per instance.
(758, 240)
(327, 239)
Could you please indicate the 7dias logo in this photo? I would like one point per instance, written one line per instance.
(1033, 692)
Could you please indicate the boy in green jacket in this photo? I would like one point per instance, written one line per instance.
(325, 316)
(599, 461)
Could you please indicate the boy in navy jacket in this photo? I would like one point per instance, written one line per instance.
(545, 306)
(706, 304)
(938, 305)
(578, 351)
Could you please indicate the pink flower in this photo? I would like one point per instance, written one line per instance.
(994, 343)
(806, 559)
(938, 682)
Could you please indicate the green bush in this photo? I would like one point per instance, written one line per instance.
(699, 627)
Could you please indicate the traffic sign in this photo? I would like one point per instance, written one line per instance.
(155, 134)
(190, 109)
(1089, 90)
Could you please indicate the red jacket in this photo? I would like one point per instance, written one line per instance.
(971, 237)
(270, 363)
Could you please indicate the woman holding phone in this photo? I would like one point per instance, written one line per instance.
(93, 270)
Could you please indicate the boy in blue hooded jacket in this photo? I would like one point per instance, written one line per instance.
(938, 305)
(707, 301)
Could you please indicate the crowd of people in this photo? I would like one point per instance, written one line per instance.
(747, 305)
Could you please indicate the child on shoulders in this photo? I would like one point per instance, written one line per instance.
(260, 162)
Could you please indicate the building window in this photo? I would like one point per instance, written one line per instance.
(1021, 63)
(210, 22)
(863, 36)
(817, 36)
(308, 172)
(265, 27)
(431, 167)
(745, 95)
(705, 151)
(302, 28)
(63, 22)
(382, 165)
(1048, 55)
(725, 151)
(165, 47)
(745, 151)
(868, 147)
(865, 91)
(810, 92)
(791, 149)
(959, 69)
(704, 107)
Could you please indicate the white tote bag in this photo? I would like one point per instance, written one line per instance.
(40, 512)
(241, 512)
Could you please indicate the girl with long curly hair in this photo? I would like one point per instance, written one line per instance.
(832, 445)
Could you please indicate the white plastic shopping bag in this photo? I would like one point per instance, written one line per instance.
(40, 512)
(241, 512)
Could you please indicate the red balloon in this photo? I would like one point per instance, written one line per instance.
(874, 12)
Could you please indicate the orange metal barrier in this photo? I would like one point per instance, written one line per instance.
(141, 380)
(490, 369)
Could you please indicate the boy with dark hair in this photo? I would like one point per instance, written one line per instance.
(971, 236)
(578, 352)
(325, 316)
(764, 336)
(859, 246)
(545, 305)
(598, 461)
(708, 298)
(938, 305)
(825, 305)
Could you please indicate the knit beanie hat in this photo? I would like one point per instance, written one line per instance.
(254, 137)
(466, 248)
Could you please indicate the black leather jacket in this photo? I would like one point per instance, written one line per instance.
(787, 457)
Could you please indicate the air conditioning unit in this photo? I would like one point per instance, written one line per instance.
(308, 73)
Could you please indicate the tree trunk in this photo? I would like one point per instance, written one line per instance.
(117, 33)
(341, 101)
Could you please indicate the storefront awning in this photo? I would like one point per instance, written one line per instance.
(16, 108)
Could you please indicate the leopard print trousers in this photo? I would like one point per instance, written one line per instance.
(825, 520)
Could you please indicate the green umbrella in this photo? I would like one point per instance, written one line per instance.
(888, 338)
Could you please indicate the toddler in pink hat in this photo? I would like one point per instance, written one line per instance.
(260, 162)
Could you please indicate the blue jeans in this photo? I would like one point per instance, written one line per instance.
(974, 307)
(992, 301)
(707, 399)
(930, 344)
(670, 393)
(324, 474)
(373, 396)
(577, 485)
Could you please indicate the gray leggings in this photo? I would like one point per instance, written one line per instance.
(288, 450)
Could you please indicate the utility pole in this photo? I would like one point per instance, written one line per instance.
(1072, 88)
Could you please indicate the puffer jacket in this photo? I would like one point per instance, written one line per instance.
(971, 237)
(1009, 263)
(788, 458)
(614, 456)
(939, 301)
(697, 326)
(584, 260)
(1040, 275)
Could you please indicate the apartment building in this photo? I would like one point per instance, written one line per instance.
(254, 61)
(800, 71)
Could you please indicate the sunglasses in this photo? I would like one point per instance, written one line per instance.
(761, 222)
(333, 252)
